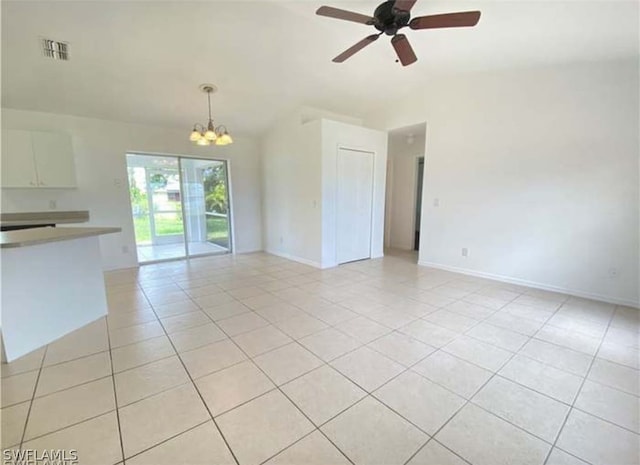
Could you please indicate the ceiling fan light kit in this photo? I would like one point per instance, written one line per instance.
(389, 18)
(210, 134)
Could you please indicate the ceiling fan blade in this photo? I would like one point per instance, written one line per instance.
(337, 13)
(462, 19)
(404, 5)
(355, 48)
(403, 50)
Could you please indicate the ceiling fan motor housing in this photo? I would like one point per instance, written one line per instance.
(388, 19)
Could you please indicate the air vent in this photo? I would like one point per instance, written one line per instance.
(55, 50)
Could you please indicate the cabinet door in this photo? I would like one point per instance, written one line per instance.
(54, 159)
(18, 165)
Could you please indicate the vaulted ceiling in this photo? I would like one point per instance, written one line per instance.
(142, 61)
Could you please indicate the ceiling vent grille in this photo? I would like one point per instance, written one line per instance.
(55, 50)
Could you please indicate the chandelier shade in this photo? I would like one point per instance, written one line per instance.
(210, 134)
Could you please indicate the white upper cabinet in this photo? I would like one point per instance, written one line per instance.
(37, 159)
(18, 163)
(54, 159)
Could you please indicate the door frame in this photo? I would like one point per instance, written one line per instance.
(415, 196)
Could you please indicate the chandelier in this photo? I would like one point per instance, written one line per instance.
(210, 134)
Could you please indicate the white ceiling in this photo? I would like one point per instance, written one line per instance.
(142, 61)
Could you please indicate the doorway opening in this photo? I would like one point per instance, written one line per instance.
(180, 206)
(404, 186)
(418, 209)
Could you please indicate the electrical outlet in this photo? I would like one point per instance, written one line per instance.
(125, 249)
(613, 273)
(281, 240)
(53, 204)
(465, 252)
(436, 202)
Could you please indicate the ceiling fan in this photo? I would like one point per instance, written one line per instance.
(389, 18)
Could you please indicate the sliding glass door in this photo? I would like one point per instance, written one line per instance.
(206, 205)
(155, 194)
(166, 209)
(180, 206)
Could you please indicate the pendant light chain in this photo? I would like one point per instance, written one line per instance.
(209, 99)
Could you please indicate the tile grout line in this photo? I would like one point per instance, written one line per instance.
(249, 310)
(164, 441)
(497, 310)
(530, 358)
(391, 330)
(35, 388)
(517, 352)
(72, 425)
(604, 419)
(44, 367)
(184, 367)
(296, 340)
(84, 383)
(115, 392)
(468, 401)
(368, 393)
(244, 361)
(410, 369)
(438, 349)
(277, 387)
(316, 429)
(579, 391)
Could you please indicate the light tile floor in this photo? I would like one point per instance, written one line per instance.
(255, 359)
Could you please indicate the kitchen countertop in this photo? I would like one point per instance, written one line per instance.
(50, 217)
(27, 237)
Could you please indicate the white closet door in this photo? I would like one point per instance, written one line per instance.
(354, 205)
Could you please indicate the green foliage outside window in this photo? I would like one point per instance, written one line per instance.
(158, 181)
(214, 180)
(139, 201)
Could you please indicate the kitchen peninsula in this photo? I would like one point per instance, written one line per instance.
(52, 284)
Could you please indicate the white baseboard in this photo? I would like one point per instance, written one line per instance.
(532, 284)
(248, 251)
(304, 261)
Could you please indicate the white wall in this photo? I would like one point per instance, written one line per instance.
(537, 174)
(402, 189)
(100, 148)
(291, 190)
(299, 184)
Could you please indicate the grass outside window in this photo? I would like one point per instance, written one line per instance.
(217, 228)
